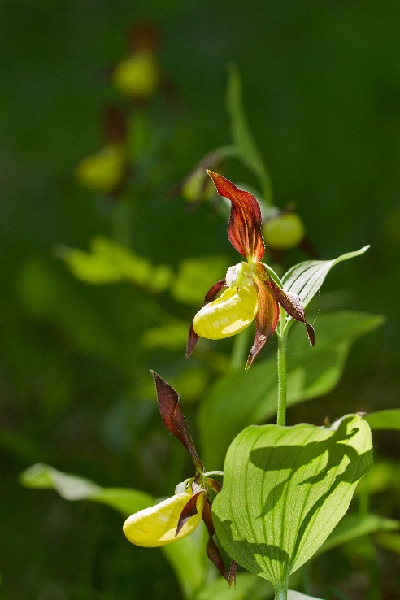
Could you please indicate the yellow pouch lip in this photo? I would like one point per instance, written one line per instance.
(229, 314)
(156, 525)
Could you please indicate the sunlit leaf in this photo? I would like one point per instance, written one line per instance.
(384, 419)
(72, 487)
(186, 555)
(241, 398)
(285, 489)
(172, 336)
(109, 262)
(306, 278)
(354, 526)
(195, 276)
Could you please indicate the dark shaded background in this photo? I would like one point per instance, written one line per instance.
(321, 88)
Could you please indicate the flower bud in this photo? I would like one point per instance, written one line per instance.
(284, 231)
(198, 186)
(156, 525)
(137, 76)
(229, 314)
(104, 171)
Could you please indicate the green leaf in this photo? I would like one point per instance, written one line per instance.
(242, 136)
(354, 526)
(172, 336)
(244, 397)
(186, 556)
(306, 278)
(109, 262)
(196, 276)
(285, 489)
(384, 419)
(72, 487)
(247, 586)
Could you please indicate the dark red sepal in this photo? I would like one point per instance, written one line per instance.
(210, 296)
(207, 518)
(266, 319)
(192, 340)
(173, 417)
(214, 555)
(232, 573)
(214, 485)
(290, 302)
(245, 220)
(189, 510)
(213, 551)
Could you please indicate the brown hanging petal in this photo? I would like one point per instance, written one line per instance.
(244, 225)
(173, 417)
(210, 296)
(214, 555)
(266, 319)
(232, 573)
(213, 551)
(189, 510)
(214, 485)
(293, 306)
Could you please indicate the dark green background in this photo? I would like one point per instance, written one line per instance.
(321, 83)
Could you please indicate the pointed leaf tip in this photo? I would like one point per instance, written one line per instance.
(311, 334)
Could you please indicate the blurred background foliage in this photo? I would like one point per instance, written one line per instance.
(321, 86)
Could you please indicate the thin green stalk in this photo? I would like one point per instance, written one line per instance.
(281, 592)
(123, 214)
(282, 339)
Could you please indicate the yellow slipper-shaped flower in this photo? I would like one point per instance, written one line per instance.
(229, 314)
(156, 525)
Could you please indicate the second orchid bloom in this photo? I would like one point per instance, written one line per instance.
(250, 291)
(178, 516)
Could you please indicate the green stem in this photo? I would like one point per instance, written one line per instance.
(281, 592)
(123, 214)
(282, 339)
(214, 474)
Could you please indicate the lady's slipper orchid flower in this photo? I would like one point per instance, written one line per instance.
(107, 170)
(249, 289)
(138, 75)
(177, 517)
(158, 525)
